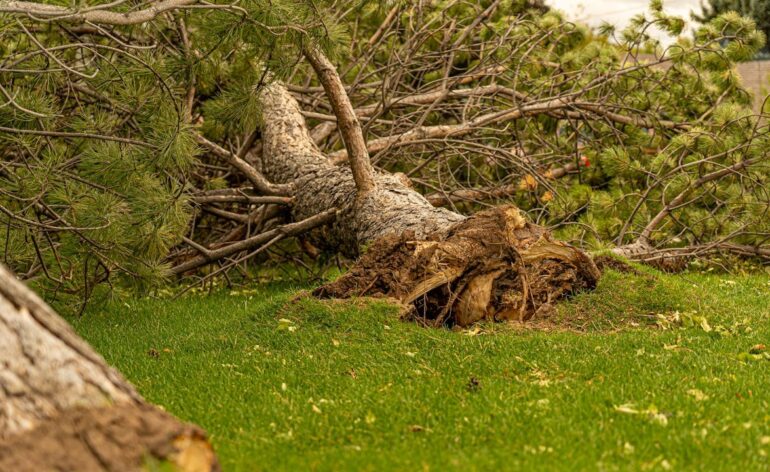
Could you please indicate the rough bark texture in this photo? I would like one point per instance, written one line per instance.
(290, 156)
(666, 260)
(119, 438)
(448, 269)
(63, 408)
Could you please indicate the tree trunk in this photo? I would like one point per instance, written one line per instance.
(445, 267)
(63, 408)
(289, 156)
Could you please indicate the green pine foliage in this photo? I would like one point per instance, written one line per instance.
(110, 199)
(83, 210)
(758, 10)
(627, 173)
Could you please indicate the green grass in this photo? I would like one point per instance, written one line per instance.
(347, 386)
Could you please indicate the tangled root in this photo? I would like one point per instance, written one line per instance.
(492, 266)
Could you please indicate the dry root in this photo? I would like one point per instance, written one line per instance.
(492, 266)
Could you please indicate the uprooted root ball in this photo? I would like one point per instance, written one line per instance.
(492, 266)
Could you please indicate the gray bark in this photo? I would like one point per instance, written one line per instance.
(46, 367)
(289, 156)
(63, 408)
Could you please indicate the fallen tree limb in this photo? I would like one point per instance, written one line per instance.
(95, 14)
(228, 215)
(491, 193)
(241, 199)
(252, 174)
(677, 201)
(347, 121)
(676, 259)
(291, 229)
(499, 266)
(556, 105)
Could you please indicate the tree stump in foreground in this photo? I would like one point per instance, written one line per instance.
(63, 408)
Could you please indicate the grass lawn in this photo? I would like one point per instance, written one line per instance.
(347, 386)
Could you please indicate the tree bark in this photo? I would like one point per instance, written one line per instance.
(289, 156)
(347, 121)
(63, 408)
(446, 268)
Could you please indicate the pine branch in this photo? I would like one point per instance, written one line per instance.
(347, 121)
(291, 229)
(95, 14)
(255, 177)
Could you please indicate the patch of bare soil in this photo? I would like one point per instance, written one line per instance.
(118, 438)
(604, 262)
(492, 266)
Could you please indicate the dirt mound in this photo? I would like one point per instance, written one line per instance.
(493, 265)
(118, 438)
(604, 262)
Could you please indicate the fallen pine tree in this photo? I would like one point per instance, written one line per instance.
(463, 104)
(449, 268)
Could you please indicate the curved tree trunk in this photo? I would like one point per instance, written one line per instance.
(63, 408)
(289, 156)
(445, 267)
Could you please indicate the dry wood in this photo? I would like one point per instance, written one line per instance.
(97, 14)
(252, 174)
(291, 229)
(241, 199)
(347, 121)
(63, 408)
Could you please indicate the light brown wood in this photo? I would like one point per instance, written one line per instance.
(347, 121)
(63, 408)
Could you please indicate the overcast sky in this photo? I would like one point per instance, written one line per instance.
(618, 12)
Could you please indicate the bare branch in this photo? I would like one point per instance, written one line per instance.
(491, 193)
(242, 199)
(255, 177)
(644, 237)
(560, 106)
(96, 14)
(291, 229)
(350, 128)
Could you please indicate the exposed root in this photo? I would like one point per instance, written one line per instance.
(492, 266)
(605, 261)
